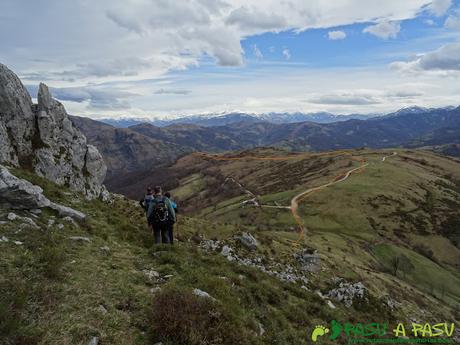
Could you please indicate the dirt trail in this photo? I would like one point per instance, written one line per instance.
(299, 197)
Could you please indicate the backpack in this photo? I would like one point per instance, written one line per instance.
(160, 212)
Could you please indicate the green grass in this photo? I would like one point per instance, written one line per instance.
(52, 288)
(426, 275)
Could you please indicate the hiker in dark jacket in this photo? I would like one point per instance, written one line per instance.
(160, 213)
(145, 202)
(171, 223)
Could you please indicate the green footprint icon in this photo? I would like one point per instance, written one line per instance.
(318, 332)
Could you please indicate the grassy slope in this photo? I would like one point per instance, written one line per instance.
(52, 288)
(400, 203)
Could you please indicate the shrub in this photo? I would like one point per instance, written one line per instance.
(180, 317)
(424, 250)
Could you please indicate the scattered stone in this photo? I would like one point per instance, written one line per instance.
(210, 245)
(202, 293)
(11, 216)
(330, 304)
(309, 260)
(105, 249)
(151, 274)
(102, 309)
(51, 222)
(18, 243)
(94, 341)
(347, 292)
(36, 211)
(70, 220)
(4, 239)
(261, 329)
(168, 276)
(29, 222)
(248, 241)
(80, 238)
(226, 251)
(60, 226)
(155, 289)
(391, 303)
(65, 211)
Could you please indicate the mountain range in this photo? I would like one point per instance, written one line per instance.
(144, 146)
(210, 120)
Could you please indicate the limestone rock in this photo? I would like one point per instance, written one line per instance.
(248, 241)
(19, 194)
(42, 138)
(94, 341)
(80, 238)
(17, 119)
(309, 260)
(347, 292)
(65, 211)
(201, 293)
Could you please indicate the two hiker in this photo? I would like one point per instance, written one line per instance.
(161, 214)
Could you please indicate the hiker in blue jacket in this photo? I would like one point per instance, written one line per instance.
(171, 223)
(160, 214)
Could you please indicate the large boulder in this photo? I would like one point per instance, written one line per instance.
(41, 137)
(19, 194)
(248, 241)
(16, 193)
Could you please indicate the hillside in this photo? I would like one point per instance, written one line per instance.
(407, 204)
(125, 150)
(70, 282)
(132, 154)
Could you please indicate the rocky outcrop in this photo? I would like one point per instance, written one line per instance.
(41, 137)
(19, 194)
(347, 292)
(309, 259)
(248, 241)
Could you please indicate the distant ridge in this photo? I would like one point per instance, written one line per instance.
(212, 120)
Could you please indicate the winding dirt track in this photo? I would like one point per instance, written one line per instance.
(299, 197)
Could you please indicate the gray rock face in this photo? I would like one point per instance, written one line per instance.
(42, 138)
(309, 260)
(19, 194)
(248, 241)
(15, 136)
(347, 292)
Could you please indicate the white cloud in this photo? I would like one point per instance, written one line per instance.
(429, 22)
(163, 91)
(286, 54)
(439, 7)
(446, 59)
(256, 51)
(453, 20)
(384, 30)
(336, 35)
(345, 98)
(108, 51)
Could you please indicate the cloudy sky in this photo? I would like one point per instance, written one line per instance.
(141, 58)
